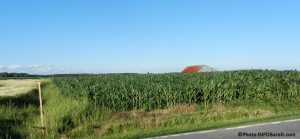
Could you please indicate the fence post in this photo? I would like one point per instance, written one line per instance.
(41, 108)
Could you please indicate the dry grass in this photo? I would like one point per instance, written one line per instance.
(121, 122)
(142, 114)
(180, 109)
(220, 111)
(16, 87)
(143, 119)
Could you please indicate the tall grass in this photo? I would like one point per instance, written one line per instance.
(17, 115)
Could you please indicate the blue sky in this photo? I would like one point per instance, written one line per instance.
(105, 36)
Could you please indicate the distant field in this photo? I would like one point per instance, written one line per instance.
(15, 87)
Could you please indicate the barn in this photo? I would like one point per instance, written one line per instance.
(198, 68)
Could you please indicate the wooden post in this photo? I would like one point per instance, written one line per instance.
(41, 108)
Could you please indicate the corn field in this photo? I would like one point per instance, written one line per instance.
(123, 92)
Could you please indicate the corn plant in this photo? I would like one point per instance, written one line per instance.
(155, 91)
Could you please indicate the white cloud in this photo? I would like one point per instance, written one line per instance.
(32, 66)
(14, 67)
(34, 69)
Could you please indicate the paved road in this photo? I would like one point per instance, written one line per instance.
(289, 129)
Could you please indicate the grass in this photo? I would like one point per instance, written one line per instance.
(213, 117)
(62, 114)
(198, 127)
(17, 114)
(19, 108)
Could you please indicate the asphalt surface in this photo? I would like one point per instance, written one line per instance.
(289, 129)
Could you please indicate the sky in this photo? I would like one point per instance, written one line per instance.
(112, 36)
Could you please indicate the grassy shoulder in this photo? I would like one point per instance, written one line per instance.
(219, 119)
(185, 128)
(67, 117)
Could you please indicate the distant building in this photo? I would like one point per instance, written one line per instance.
(198, 68)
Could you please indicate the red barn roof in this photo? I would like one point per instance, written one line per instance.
(192, 69)
(198, 68)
